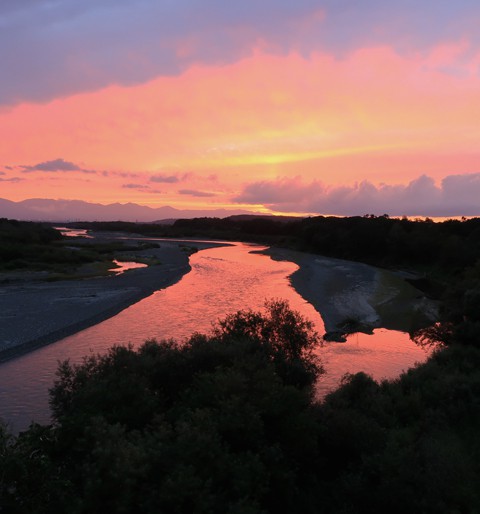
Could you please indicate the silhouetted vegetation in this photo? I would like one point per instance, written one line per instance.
(227, 423)
(26, 244)
(446, 248)
(444, 258)
(29, 246)
(216, 425)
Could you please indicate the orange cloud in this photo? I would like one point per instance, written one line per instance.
(373, 114)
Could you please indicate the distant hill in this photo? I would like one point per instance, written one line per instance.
(168, 221)
(272, 217)
(41, 209)
(239, 218)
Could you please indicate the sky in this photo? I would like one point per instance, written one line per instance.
(334, 107)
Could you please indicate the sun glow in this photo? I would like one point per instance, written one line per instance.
(372, 114)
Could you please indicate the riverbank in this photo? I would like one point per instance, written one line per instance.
(34, 313)
(350, 296)
(355, 297)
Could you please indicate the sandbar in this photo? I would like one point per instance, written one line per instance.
(34, 313)
(355, 297)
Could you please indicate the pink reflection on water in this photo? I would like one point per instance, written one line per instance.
(123, 266)
(222, 281)
(73, 232)
(383, 355)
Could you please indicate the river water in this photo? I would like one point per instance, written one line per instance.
(222, 281)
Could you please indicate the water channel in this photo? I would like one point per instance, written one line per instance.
(222, 280)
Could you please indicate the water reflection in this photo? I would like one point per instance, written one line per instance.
(223, 280)
(383, 355)
(73, 232)
(123, 266)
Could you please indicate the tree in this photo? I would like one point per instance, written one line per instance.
(285, 334)
(222, 423)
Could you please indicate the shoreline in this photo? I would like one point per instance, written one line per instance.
(350, 296)
(356, 297)
(17, 350)
(35, 314)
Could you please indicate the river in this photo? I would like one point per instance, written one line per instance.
(222, 280)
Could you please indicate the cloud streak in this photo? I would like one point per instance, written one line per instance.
(196, 193)
(142, 188)
(457, 195)
(165, 179)
(54, 166)
(135, 186)
(12, 179)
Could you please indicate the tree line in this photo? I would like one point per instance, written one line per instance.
(227, 423)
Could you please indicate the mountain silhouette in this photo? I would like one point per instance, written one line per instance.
(41, 209)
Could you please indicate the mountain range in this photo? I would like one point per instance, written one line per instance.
(41, 209)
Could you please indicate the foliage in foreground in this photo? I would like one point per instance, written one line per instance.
(219, 424)
(227, 424)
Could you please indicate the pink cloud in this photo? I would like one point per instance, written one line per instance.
(456, 195)
(196, 193)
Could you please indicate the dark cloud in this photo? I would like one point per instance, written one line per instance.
(405, 25)
(466, 188)
(124, 174)
(143, 188)
(457, 195)
(13, 179)
(165, 179)
(11, 6)
(195, 192)
(130, 42)
(2, 173)
(55, 165)
(134, 186)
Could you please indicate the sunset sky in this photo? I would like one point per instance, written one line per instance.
(299, 106)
